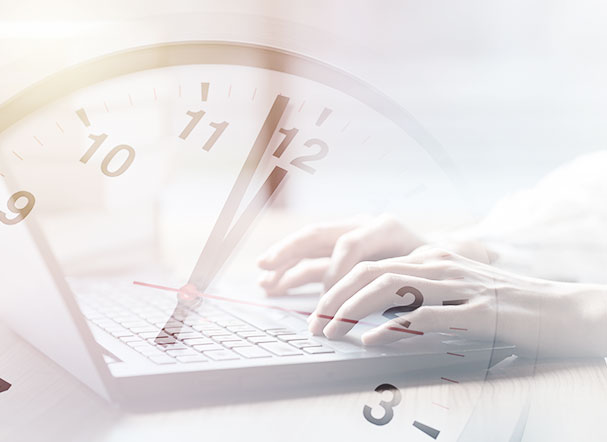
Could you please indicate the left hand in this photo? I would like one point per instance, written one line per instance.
(514, 309)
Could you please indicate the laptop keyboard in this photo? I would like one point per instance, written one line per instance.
(206, 334)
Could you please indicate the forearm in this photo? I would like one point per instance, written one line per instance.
(581, 324)
(553, 319)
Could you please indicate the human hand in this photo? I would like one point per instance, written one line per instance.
(326, 252)
(540, 317)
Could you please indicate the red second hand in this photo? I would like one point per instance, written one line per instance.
(190, 291)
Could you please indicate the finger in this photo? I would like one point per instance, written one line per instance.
(269, 278)
(305, 272)
(385, 237)
(388, 290)
(309, 242)
(360, 276)
(475, 319)
(364, 273)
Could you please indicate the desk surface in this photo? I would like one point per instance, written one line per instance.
(550, 401)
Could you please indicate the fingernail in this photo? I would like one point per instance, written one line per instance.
(268, 257)
(315, 326)
(331, 330)
(266, 279)
(367, 338)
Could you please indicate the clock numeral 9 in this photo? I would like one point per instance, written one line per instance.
(22, 212)
(388, 406)
(98, 140)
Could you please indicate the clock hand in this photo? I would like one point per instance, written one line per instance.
(192, 291)
(208, 266)
(219, 246)
(261, 198)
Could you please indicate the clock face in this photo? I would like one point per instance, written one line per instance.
(128, 162)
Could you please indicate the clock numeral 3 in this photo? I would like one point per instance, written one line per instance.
(388, 406)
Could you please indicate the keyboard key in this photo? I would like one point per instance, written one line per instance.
(260, 339)
(149, 351)
(318, 350)
(226, 338)
(216, 332)
(305, 343)
(173, 330)
(187, 335)
(121, 333)
(207, 347)
(136, 344)
(104, 322)
(173, 346)
(146, 329)
(131, 339)
(192, 358)
(135, 324)
(165, 341)
(197, 341)
(162, 359)
(252, 352)
(153, 335)
(224, 322)
(221, 355)
(239, 343)
(126, 319)
(113, 328)
(288, 338)
(240, 328)
(204, 326)
(280, 349)
(169, 324)
(181, 352)
(279, 331)
(196, 320)
(250, 334)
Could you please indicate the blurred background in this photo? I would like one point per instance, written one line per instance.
(511, 89)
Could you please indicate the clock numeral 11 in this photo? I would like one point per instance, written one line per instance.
(196, 117)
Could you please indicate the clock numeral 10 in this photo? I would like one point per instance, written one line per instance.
(21, 212)
(196, 117)
(98, 140)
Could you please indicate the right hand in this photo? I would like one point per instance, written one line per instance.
(326, 252)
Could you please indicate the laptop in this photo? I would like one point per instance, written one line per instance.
(140, 347)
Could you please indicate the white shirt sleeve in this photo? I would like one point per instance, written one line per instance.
(558, 229)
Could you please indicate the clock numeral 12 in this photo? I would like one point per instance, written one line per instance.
(300, 162)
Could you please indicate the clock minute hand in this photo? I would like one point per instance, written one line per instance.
(217, 250)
